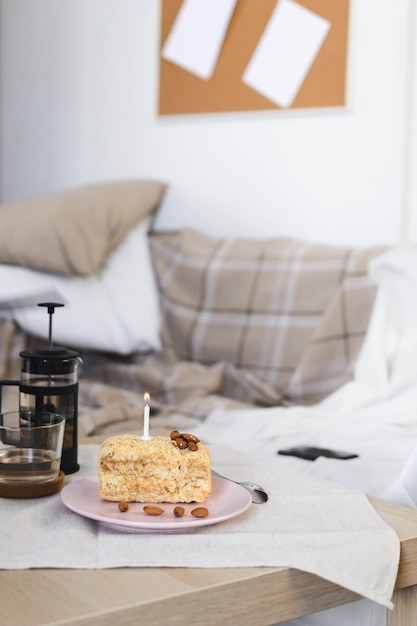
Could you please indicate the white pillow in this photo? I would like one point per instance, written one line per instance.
(115, 310)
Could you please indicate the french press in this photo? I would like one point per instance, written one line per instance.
(49, 383)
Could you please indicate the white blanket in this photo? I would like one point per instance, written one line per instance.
(374, 415)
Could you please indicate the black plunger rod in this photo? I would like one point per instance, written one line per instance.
(51, 306)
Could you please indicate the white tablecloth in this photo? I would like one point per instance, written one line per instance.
(308, 523)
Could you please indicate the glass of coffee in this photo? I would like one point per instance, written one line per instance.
(30, 446)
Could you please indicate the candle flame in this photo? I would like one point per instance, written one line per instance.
(146, 397)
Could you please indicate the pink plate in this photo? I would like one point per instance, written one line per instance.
(227, 500)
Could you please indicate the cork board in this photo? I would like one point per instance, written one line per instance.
(182, 92)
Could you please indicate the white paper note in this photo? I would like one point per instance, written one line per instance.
(286, 51)
(197, 35)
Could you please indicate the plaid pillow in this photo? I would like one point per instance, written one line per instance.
(292, 313)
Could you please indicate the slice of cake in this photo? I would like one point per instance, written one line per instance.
(161, 469)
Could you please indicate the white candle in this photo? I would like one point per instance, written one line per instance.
(146, 411)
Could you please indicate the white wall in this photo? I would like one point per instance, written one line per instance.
(78, 96)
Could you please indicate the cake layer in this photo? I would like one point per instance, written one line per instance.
(131, 469)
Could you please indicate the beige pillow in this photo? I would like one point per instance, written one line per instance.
(293, 314)
(72, 232)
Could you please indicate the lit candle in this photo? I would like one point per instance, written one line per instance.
(146, 411)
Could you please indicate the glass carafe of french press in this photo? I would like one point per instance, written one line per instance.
(49, 382)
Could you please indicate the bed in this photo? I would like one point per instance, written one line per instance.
(274, 343)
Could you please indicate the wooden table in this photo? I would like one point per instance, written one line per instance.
(201, 597)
